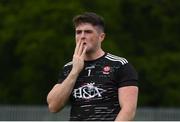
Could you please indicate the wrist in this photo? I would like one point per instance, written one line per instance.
(74, 73)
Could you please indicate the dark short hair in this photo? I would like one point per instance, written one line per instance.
(89, 17)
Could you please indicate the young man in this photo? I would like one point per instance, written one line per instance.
(100, 86)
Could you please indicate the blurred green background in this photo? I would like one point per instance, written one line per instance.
(37, 39)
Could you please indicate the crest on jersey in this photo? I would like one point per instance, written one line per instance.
(106, 70)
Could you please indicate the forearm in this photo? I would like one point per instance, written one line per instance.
(126, 115)
(59, 95)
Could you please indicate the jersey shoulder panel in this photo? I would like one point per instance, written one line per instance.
(68, 64)
(64, 71)
(115, 58)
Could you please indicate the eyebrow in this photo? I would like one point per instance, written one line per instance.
(88, 30)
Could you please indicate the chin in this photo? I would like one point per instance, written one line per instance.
(88, 51)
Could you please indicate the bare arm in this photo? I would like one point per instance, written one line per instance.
(60, 93)
(128, 97)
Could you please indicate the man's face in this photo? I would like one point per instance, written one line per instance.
(90, 35)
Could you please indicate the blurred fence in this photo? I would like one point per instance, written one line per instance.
(41, 113)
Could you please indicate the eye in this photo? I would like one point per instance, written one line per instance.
(78, 32)
(88, 31)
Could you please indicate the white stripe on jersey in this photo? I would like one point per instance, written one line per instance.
(69, 63)
(116, 58)
(122, 59)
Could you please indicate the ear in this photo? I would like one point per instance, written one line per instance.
(102, 36)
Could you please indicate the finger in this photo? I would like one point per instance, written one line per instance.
(77, 47)
(84, 51)
(80, 48)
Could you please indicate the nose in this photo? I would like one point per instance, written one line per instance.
(83, 35)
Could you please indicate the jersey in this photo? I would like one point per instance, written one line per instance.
(95, 94)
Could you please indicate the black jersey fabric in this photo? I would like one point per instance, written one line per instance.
(95, 94)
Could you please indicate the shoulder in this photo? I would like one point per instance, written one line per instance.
(68, 64)
(67, 67)
(114, 58)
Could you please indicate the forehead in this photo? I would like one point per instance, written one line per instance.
(85, 26)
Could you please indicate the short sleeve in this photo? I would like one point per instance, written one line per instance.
(126, 76)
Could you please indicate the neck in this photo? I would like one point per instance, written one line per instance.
(94, 55)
